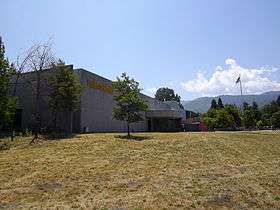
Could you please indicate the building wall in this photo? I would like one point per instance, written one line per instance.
(95, 110)
(26, 99)
(97, 106)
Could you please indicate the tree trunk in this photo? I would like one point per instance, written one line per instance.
(13, 118)
(12, 132)
(128, 131)
(37, 105)
(37, 111)
(13, 127)
(54, 119)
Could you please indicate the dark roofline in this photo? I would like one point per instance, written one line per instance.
(81, 69)
(43, 70)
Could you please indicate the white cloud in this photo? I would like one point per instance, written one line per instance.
(151, 91)
(222, 81)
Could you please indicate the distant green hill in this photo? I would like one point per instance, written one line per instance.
(203, 104)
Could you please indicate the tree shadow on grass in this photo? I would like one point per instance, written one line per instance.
(133, 138)
(4, 146)
(58, 136)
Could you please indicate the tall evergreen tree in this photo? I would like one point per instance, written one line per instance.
(214, 104)
(220, 103)
(129, 103)
(7, 102)
(278, 101)
(65, 91)
(245, 106)
(275, 120)
(256, 111)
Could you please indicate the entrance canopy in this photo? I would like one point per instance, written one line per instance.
(173, 114)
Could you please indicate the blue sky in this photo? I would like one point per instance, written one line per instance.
(196, 47)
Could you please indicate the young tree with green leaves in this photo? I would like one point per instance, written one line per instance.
(219, 118)
(259, 124)
(210, 118)
(8, 103)
(129, 103)
(65, 91)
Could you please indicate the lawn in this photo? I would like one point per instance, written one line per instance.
(209, 170)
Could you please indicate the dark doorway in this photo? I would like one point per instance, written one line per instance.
(18, 119)
(166, 124)
(149, 125)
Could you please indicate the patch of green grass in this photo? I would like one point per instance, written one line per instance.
(150, 171)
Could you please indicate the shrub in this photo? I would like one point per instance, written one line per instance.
(275, 120)
(259, 124)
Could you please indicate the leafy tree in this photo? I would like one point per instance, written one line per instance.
(278, 101)
(210, 118)
(7, 102)
(214, 104)
(259, 124)
(65, 91)
(234, 112)
(210, 122)
(129, 103)
(167, 94)
(275, 119)
(211, 113)
(224, 119)
(249, 118)
(245, 106)
(256, 111)
(271, 108)
(274, 107)
(265, 118)
(218, 118)
(220, 103)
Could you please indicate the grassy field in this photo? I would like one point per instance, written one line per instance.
(238, 170)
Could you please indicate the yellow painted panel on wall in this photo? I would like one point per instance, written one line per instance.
(99, 86)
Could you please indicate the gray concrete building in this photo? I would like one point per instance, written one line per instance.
(94, 113)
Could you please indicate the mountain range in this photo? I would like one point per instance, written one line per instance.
(203, 104)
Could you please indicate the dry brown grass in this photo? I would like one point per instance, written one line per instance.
(237, 170)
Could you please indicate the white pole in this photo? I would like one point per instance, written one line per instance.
(240, 86)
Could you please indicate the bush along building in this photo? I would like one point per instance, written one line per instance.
(94, 111)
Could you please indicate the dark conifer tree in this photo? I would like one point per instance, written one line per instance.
(278, 100)
(7, 102)
(214, 104)
(220, 103)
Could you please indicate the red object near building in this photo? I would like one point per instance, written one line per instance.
(202, 126)
(194, 124)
